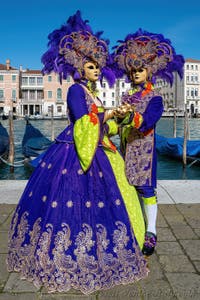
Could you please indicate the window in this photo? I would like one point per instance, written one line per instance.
(192, 67)
(187, 78)
(32, 80)
(196, 92)
(32, 94)
(196, 78)
(104, 102)
(50, 94)
(1, 94)
(196, 67)
(13, 94)
(187, 67)
(39, 80)
(113, 103)
(13, 78)
(188, 92)
(68, 78)
(59, 109)
(103, 85)
(49, 78)
(123, 84)
(25, 95)
(1, 77)
(40, 95)
(104, 94)
(24, 80)
(59, 94)
(192, 92)
(113, 94)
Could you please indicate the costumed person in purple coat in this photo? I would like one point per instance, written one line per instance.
(79, 223)
(141, 58)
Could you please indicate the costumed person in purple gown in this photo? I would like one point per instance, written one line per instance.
(141, 58)
(79, 224)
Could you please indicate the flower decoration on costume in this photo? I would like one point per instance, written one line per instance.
(147, 50)
(74, 44)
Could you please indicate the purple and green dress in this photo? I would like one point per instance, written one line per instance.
(79, 223)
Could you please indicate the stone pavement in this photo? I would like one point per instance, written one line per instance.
(174, 267)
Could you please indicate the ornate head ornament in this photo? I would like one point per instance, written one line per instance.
(79, 47)
(72, 46)
(147, 50)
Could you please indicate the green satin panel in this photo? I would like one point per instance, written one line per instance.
(86, 136)
(129, 195)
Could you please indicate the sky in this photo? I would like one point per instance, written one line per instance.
(25, 25)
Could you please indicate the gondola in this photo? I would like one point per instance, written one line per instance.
(4, 141)
(173, 147)
(34, 142)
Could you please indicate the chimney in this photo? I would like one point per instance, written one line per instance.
(7, 64)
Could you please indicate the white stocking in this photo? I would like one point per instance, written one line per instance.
(151, 216)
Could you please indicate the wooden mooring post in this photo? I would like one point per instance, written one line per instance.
(174, 124)
(52, 123)
(11, 155)
(186, 134)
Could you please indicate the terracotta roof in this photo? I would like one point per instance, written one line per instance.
(192, 60)
(4, 67)
(32, 72)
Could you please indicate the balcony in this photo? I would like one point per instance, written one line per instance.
(31, 101)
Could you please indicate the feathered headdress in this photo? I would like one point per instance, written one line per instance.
(148, 50)
(74, 44)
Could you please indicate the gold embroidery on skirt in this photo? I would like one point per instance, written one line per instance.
(51, 259)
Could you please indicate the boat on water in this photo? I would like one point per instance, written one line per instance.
(34, 143)
(4, 141)
(173, 147)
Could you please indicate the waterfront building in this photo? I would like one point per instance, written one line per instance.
(183, 93)
(9, 88)
(28, 92)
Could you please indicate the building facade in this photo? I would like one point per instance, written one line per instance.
(9, 88)
(28, 92)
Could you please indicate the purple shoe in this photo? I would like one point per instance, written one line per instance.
(149, 243)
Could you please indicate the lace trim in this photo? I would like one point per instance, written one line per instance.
(51, 259)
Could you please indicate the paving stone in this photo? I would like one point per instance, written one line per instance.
(3, 242)
(15, 284)
(193, 221)
(155, 270)
(192, 248)
(197, 231)
(25, 296)
(157, 290)
(7, 208)
(168, 248)
(5, 226)
(161, 221)
(128, 292)
(197, 265)
(165, 234)
(189, 209)
(177, 263)
(185, 285)
(174, 220)
(184, 232)
(168, 209)
(4, 274)
(66, 296)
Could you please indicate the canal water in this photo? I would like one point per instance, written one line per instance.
(167, 168)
